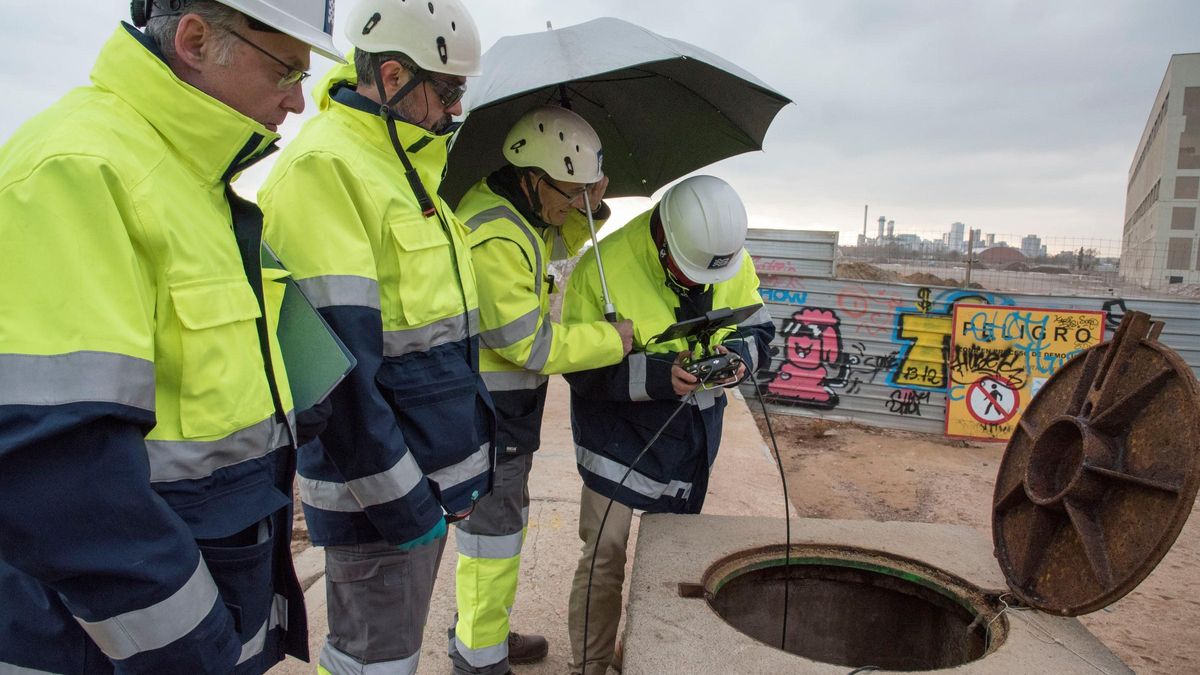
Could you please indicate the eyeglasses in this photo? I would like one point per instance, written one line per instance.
(447, 92)
(291, 78)
(569, 196)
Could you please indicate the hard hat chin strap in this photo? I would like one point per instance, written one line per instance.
(390, 116)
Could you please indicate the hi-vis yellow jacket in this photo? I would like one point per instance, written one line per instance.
(412, 424)
(616, 411)
(521, 346)
(143, 401)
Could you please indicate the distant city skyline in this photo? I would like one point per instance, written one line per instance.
(1010, 116)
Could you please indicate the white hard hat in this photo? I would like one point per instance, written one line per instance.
(705, 225)
(438, 35)
(309, 21)
(557, 141)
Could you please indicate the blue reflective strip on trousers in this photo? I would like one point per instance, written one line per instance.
(158, 625)
(642, 484)
(340, 663)
(637, 378)
(75, 377)
(191, 460)
(492, 547)
(512, 380)
(442, 331)
(341, 290)
(484, 656)
(512, 332)
(360, 493)
(463, 471)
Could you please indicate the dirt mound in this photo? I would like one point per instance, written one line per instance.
(864, 272)
(927, 279)
(1050, 269)
(1185, 291)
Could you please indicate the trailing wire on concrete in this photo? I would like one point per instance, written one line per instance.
(1026, 615)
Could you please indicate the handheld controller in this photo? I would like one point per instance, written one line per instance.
(714, 369)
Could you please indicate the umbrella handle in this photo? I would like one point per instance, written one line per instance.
(610, 312)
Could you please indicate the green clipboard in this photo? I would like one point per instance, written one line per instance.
(315, 358)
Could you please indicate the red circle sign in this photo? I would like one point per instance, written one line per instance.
(993, 400)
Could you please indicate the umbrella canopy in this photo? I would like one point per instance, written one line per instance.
(662, 107)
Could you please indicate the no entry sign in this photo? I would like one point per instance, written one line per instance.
(998, 357)
(993, 400)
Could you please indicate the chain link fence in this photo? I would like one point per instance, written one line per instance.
(1027, 264)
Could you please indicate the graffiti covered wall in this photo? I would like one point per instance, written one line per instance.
(879, 353)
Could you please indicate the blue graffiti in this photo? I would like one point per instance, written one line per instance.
(779, 296)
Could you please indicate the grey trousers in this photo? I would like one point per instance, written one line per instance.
(604, 610)
(378, 604)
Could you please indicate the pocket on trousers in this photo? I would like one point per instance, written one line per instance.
(244, 578)
(377, 603)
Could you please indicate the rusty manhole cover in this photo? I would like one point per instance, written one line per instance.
(1102, 474)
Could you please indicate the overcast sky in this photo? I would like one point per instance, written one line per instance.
(1014, 116)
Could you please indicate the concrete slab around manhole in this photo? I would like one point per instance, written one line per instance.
(669, 634)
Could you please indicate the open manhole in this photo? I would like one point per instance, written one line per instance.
(855, 608)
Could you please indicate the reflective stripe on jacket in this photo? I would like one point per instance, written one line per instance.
(521, 346)
(138, 413)
(616, 410)
(411, 427)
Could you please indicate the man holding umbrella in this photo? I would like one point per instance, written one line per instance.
(353, 211)
(679, 261)
(520, 217)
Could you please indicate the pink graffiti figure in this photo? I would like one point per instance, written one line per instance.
(813, 346)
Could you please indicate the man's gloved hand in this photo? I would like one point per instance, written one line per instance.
(436, 532)
(310, 422)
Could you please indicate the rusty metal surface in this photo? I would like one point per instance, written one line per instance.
(1098, 482)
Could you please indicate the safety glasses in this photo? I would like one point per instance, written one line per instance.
(291, 78)
(447, 92)
(571, 196)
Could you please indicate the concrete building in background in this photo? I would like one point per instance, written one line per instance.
(958, 238)
(1159, 245)
(1031, 246)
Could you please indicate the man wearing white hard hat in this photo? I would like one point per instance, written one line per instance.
(678, 261)
(520, 217)
(147, 437)
(353, 211)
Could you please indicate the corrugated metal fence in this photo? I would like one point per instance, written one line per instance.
(875, 353)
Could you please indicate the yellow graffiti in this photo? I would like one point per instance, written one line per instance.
(924, 364)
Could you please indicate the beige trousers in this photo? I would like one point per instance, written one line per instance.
(604, 613)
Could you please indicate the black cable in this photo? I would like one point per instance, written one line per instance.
(612, 498)
(587, 603)
(787, 514)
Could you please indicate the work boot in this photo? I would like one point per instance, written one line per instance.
(524, 649)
